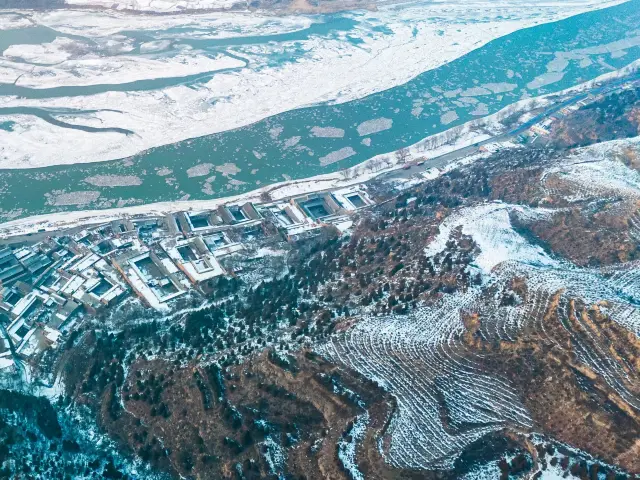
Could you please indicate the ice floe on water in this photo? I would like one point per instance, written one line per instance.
(337, 156)
(11, 21)
(501, 87)
(155, 46)
(78, 198)
(480, 110)
(327, 132)
(61, 49)
(545, 79)
(200, 170)
(228, 168)
(449, 117)
(114, 180)
(292, 141)
(374, 126)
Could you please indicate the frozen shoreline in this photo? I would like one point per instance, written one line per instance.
(418, 43)
(358, 174)
(428, 148)
(94, 71)
(176, 6)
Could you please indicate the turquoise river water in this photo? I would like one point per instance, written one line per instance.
(530, 62)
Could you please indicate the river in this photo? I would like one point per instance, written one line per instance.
(324, 138)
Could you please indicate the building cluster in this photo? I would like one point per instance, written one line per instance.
(541, 130)
(48, 287)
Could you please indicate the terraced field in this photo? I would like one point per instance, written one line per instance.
(546, 338)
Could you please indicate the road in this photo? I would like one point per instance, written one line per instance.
(31, 238)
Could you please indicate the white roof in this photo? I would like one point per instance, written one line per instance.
(112, 293)
(29, 344)
(24, 303)
(86, 262)
(203, 268)
(342, 194)
(22, 253)
(52, 334)
(5, 362)
(169, 265)
(72, 285)
(147, 292)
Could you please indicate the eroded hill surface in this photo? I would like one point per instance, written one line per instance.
(544, 336)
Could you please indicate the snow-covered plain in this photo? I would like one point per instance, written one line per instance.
(161, 5)
(94, 69)
(109, 24)
(395, 44)
(179, 5)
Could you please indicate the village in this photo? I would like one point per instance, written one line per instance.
(49, 286)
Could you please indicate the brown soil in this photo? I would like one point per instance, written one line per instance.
(568, 400)
(603, 237)
(300, 407)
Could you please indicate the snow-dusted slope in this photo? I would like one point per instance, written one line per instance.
(428, 359)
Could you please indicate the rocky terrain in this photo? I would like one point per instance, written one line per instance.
(613, 116)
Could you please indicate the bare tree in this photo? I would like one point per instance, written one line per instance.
(344, 173)
(375, 164)
(265, 197)
(403, 155)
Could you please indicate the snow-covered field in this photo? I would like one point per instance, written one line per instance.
(161, 5)
(94, 69)
(386, 48)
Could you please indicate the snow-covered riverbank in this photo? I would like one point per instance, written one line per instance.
(432, 147)
(428, 148)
